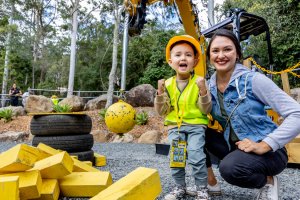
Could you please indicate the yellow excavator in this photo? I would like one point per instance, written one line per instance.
(243, 24)
(188, 15)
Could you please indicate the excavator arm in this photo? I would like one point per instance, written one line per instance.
(188, 15)
(189, 18)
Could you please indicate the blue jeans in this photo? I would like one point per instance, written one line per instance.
(195, 138)
(247, 170)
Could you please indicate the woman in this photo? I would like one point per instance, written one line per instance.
(14, 93)
(251, 149)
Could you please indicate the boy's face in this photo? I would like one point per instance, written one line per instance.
(182, 60)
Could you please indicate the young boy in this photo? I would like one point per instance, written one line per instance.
(185, 101)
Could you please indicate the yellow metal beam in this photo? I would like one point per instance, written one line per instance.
(50, 190)
(84, 184)
(9, 188)
(30, 184)
(142, 183)
(19, 158)
(55, 166)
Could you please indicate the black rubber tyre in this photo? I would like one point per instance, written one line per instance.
(51, 125)
(85, 155)
(69, 143)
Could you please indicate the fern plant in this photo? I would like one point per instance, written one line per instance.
(102, 113)
(6, 114)
(62, 108)
(141, 118)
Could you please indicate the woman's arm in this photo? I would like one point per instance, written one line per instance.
(270, 94)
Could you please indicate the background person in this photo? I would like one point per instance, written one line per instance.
(14, 94)
(25, 96)
(251, 149)
(185, 102)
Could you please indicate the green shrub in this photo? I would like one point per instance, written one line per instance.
(6, 114)
(141, 118)
(102, 113)
(62, 108)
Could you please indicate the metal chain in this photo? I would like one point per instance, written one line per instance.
(289, 70)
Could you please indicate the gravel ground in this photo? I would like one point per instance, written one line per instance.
(123, 158)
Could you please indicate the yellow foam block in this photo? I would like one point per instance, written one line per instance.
(55, 166)
(82, 167)
(50, 190)
(75, 157)
(84, 184)
(19, 158)
(142, 183)
(88, 163)
(9, 188)
(100, 160)
(47, 149)
(30, 183)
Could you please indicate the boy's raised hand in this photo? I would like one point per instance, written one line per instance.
(161, 86)
(201, 85)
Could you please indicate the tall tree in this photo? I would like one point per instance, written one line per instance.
(280, 16)
(117, 11)
(7, 52)
(75, 7)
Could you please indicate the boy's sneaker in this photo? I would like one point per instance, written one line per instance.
(214, 190)
(177, 194)
(269, 191)
(202, 194)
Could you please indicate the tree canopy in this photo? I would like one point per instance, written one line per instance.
(40, 42)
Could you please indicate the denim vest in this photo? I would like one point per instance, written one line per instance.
(249, 118)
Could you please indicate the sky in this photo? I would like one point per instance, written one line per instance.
(203, 16)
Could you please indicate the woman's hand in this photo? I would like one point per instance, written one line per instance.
(248, 145)
(201, 85)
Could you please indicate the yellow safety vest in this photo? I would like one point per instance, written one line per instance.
(186, 103)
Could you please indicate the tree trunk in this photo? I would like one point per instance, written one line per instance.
(73, 49)
(210, 13)
(6, 59)
(112, 73)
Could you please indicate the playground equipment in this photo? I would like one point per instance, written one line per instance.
(120, 117)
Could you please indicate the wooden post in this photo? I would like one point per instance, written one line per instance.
(285, 83)
(247, 63)
(293, 147)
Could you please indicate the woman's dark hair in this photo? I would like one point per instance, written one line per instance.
(230, 35)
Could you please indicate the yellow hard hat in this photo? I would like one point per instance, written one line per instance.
(178, 38)
(120, 117)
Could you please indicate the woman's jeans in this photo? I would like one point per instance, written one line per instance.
(247, 170)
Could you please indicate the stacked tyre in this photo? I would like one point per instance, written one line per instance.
(67, 132)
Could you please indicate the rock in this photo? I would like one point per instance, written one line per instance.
(101, 136)
(76, 102)
(141, 96)
(16, 110)
(150, 137)
(164, 140)
(38, 104)
(126, 138)
(14, 136)
(98, 103)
